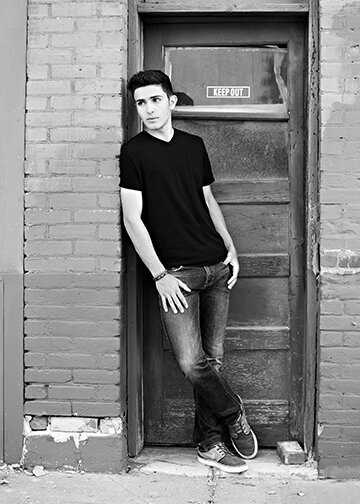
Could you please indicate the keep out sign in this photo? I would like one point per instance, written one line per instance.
(227, 91)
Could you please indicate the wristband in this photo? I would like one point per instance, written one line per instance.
(160, 275)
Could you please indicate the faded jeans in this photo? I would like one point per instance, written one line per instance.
(196, 339)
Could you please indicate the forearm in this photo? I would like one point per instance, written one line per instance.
(141, 240)
(220, 224)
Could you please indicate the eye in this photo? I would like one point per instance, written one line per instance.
(157, 99)
(140, 103)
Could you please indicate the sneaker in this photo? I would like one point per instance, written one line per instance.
(219, 456)
(242, 436)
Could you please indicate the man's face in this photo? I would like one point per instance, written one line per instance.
(154, 106)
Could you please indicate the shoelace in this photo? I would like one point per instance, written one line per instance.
(221, 449)
(242, 426)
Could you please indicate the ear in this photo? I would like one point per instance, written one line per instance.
(173, 101)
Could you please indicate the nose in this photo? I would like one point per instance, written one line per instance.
(150, 108)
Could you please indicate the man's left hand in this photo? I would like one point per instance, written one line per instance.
(232, 259)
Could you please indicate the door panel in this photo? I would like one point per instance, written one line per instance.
(240, 88)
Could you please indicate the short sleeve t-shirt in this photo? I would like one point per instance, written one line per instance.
(171, 176)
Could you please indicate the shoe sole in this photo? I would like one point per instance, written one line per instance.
(247, 457)
(218, 465)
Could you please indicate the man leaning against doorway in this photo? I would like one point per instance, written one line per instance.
(180, 234)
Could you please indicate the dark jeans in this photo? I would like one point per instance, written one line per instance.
(196, 339)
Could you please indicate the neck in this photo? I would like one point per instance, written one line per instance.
(165, 133)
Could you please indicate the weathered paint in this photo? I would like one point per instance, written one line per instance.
(12, 92)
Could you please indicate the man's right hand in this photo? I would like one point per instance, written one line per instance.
(169, 288)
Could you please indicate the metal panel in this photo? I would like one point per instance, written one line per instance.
(13, 17)
(1, 369)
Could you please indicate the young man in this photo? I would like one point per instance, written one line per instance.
(180, 234)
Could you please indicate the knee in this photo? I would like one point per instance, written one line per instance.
(190, 367)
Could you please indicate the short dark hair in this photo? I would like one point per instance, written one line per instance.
(149, 78)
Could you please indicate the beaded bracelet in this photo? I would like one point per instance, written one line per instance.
(160, 275)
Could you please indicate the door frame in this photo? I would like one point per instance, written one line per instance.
(139, 11)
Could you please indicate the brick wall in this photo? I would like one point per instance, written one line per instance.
(74, 335)
(339, 409)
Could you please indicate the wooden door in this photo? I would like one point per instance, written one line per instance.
(240, 87)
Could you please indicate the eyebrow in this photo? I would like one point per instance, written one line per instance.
(150, 98)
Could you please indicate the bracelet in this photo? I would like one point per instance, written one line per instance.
(160, 275)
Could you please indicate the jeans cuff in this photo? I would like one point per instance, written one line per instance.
(208, 443)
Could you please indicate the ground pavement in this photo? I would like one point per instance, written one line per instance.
(174, 477)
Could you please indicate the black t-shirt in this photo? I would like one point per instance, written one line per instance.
(171, 176)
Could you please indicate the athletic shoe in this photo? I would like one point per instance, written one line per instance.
(219, 456)
(242, 436)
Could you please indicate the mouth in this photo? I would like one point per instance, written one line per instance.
(151, 119)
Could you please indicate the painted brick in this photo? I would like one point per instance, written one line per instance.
(97, 248)
(109, 167)
(36, 72)
(36, 200)
(58, 424)
(109, 232)
(71, 167)
(73, 71)
(35, 392)
(50, 25)
(38, 40)
(110, 103)
(109, 264)
(72, 200)
(36, 103)
(99, 184)
(48, 87)
(100, 56)
(76, 68)
(68, 280)
(36, 134)
(47, 376)
(46, 217)
(48, 248)
(35, 233)
(48, 184)
(112, 9)
(71, 392)
(55, 264)
(100, 25)
(36, 10)
(73, 313)
(72, 102)
(330, 370)
(47, 119)
(79, 231)
(34, 359)
(97, 86)
(73, 296)
(109, 216)
(95, 376)
(72, 328)
(104, 119)
(74, 9)
(74, 40)
(98, 151)
(111, 71)
(43, 56)
(95, 409)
